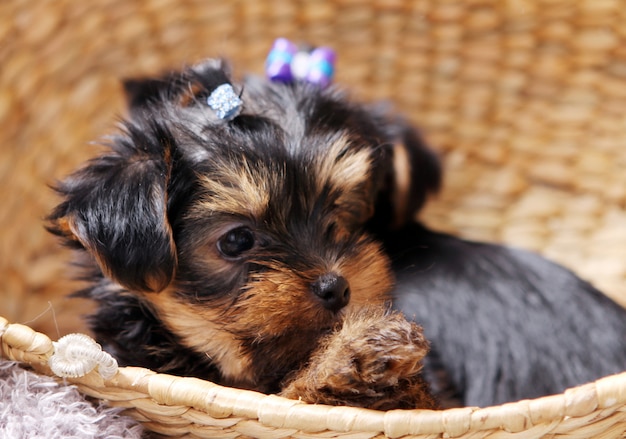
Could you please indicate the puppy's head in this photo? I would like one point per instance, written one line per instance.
(247, 238)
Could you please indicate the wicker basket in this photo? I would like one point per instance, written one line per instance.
(524, 99)
(176, 406)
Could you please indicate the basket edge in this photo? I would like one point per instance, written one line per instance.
(23, 344)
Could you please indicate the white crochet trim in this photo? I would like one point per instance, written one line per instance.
(75, 355)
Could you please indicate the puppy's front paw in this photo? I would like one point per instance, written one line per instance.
(373, 361)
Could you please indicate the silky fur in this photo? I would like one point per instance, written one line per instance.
(304, 170)
(374, 361)
(326, 186)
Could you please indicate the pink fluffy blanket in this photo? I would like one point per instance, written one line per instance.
(35, 406)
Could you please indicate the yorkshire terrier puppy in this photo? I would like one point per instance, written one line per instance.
(257, 249)
(236, 249)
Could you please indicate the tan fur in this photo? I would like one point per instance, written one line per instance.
(190, 94)
(343, 166)
(280, 301)
(373, 361)
(275, 304)
(202, 330)
(402, 168)
(369, 275)
(243, 190)
(347, 170)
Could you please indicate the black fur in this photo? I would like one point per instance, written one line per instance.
(504, 324)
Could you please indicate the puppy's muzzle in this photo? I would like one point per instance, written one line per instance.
(332, 290)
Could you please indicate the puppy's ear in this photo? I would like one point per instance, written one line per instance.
(116, 209)
(414, 174)
(417, 174)
(143, 92)
(175, 87)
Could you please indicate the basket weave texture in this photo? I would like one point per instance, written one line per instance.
(524, 99)
(176, 406)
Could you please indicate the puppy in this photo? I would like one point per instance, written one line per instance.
(238, 250)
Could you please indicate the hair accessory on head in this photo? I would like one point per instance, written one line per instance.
(225, 102)
(278, 63)
(287, 63)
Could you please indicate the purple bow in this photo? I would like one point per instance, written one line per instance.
(286, 63)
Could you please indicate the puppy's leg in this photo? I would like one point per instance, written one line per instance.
(374, 360)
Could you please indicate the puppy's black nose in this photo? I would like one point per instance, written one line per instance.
(333, 290)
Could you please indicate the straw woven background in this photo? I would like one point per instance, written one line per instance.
(526, 100)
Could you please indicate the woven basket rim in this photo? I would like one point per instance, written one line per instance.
(146, 391)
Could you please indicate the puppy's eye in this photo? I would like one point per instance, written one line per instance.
(236, 242)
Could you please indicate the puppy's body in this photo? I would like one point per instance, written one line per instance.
(231, 250)
(504, 324)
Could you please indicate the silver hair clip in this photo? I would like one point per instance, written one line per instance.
(225, 102)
